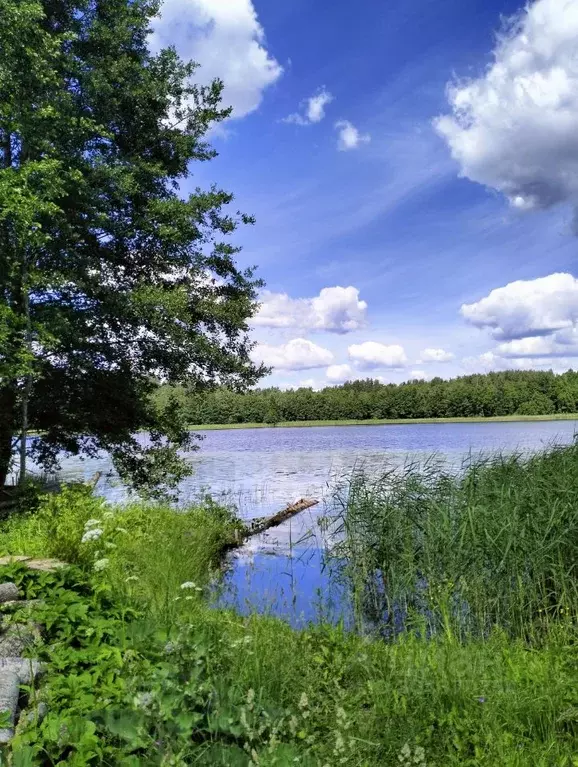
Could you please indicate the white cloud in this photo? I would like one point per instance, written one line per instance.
(228, 41)
(337, 310)
(491, 361)
(349, 136)
(298, 354)
(313, 107)
(309, 383)
(435, 355)
(564, 343)
(418, 375)
(371, 354)
(527, 307)
(516, 128)
(339, 373)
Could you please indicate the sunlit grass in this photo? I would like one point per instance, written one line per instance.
(385, 422)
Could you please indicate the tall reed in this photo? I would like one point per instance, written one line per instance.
(493, 545)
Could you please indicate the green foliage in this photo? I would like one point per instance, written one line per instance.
(108, 274)
(129, 683)
(475, 396)
(146, 550)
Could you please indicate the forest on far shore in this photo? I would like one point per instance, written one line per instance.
(481, 395)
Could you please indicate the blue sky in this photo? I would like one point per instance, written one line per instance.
(376, 224)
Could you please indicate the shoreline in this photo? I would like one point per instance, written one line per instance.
(384, 422)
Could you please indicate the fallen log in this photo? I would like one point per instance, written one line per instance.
(258, 526)
(261, 524)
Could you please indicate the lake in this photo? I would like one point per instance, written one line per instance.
(260, 471)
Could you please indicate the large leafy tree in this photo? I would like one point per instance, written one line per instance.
(110, 278)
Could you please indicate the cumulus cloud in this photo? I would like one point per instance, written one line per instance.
(515, 129)
(418, 375)
(313, 109)
(564, 343)
(298, 354)
(435, 355)
(527, 307)
(492, 361)
(339, 373)
(336, 310)
(228, 41)
(349, 136)
(370, 355)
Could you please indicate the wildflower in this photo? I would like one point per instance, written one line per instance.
(91, 523)
(188, 585)
(91, 535)
(101, 564)
(405, 754)
(303, 701)
(250, 696)
(169, 648)
(339, 744)
(419, 755)
(143, 699)
(108, 515)
(110, 545)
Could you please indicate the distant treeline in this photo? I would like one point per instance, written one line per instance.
(492, 394)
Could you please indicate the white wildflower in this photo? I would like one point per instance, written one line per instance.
(101, 564)
(91, 535)
(188, 585)
(91, 523)
(143, 699)
(108, 515)
(110, 545)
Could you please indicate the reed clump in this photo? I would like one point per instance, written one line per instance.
(492, 545)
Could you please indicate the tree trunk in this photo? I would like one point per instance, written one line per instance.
(7, 411)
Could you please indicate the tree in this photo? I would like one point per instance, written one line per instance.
(110, 279)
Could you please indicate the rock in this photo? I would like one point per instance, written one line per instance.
(25, 669)
(8, 592)
(9, 692)
(47, 565)
(13, 558)
(36, 715)
(16, 638)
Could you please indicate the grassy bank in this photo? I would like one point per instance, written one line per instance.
(141, 671)
(385, 422)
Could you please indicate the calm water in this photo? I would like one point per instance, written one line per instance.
(262, 470)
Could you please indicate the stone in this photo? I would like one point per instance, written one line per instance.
(16, 638)
(8, 592)
(36, 715)
(47, 565)
(9, 693)
(13, 558)
(26, 669)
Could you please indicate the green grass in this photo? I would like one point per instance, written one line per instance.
(493, 686)
(385, 422)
